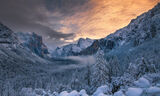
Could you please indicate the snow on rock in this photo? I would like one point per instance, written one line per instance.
(119, 93)
(7, 36)
(153, 91)
(83, 93)
(71, 49)
(101, 94)
(76, 49)
(27, 92)
(54, 94)
(40, 91)
(142, 83)
(134, 92)
(158, 85)
(73, 93)
(64, 93)
(33, 42)
(84, 43)
(100, 90)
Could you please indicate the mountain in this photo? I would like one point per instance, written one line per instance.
(143, 28)
(6, 35)
(21, 64)
(16, 63)
(127, 61)
(72, 49)
(33, 42)
(120, 60)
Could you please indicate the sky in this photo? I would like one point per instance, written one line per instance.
(61, 22)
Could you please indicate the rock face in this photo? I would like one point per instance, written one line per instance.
(73, 49)
(139, 30)
(6, 35)
(19, 67)
(90, 50)
(33, 42)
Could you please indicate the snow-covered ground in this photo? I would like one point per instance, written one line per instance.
(141, 87)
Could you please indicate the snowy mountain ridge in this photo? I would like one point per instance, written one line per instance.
(7, 36)
(72, 49)
(139, 30)
(33, 42)
(30, 41)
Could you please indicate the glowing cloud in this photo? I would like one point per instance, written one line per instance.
(105, 17)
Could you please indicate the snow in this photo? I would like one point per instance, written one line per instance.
(84, 43)
(67, 50)
(83, 93)
(76, 49)
(122, 42)
(40, 91)
(28, 92)
(73, 93)
(119, 93)
(142, 83)
(158, 85)
(103, 91)
(59, 51)
(100, 90)
(134, 92)
(153, 91)
(101, 94)
(55, 94)
(64, 93)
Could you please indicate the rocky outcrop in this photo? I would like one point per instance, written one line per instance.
(90, 50)
(6, 35)
(33, 42)
(73, 49)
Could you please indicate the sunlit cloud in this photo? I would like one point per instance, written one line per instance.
(63, 21)
(105, 17)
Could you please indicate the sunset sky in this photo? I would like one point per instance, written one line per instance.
(64, 21)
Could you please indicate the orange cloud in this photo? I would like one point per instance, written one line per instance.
(105, 17)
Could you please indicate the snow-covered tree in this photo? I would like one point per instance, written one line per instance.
(101, 70)
(75, 83)
(8, 89)
(104, 70)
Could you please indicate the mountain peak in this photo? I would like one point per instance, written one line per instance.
(139, 30)
(5, 31)
(33, 42)
(6, 35)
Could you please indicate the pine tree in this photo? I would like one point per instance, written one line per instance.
(88, 76)
(8, 89)
(100, 70)
(104, 70)
(153, 30)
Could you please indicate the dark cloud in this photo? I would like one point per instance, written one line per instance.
(66, 7)
(31, 16)
(62, 21)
